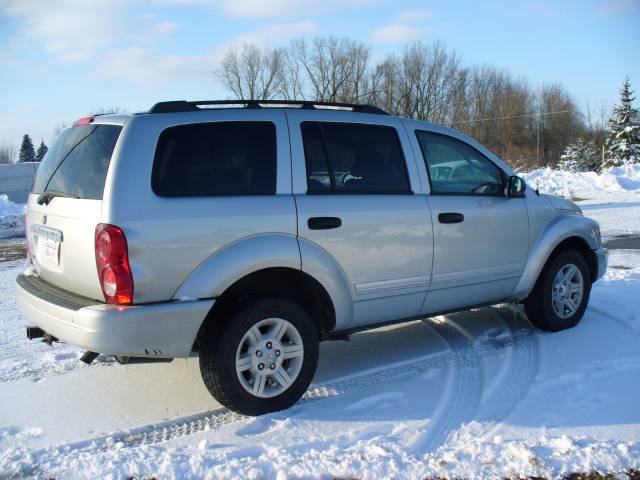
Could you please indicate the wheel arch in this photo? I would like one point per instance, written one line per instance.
(282, 282)
(579, 244)
(563, 232)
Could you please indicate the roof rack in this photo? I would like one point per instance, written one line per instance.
(184, 106)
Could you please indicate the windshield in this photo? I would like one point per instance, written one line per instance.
(78, 161)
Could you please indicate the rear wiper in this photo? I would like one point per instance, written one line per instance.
(48, 195)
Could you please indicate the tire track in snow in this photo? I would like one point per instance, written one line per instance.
(463, 396)
(617, 326)
(522, 365)
(463, 352)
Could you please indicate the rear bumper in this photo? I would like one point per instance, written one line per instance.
(162, 330)
(602, 260)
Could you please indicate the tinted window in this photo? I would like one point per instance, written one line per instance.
(78, 161)
(455, 167)
(222, 158)
(353, 158)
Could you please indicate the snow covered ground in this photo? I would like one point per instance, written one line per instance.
(614, 183)
(11, 218)
(475, 394)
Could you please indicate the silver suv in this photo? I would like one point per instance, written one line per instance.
(249, 234)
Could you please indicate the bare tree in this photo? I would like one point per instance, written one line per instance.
(560, 122)
(7, 153)
(251, 73)
(107, 111)
(425, 81)
(291, 81)
(335, 70)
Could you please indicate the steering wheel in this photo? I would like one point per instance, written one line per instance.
(479, 188)
(344, 176)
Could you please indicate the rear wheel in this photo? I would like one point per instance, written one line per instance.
(561, 294)
(263, 359)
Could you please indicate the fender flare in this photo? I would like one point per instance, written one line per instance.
(559, 229)
(252, 254)
(237, 260)
(319, 264)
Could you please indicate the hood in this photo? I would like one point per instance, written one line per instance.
(563, 204)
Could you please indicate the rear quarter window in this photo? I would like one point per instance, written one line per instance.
(78, 161)
(213, 159)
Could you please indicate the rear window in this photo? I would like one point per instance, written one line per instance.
(211, 159)
(78, 161)
(353, 158)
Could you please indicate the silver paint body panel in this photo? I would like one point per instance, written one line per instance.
(390, 259)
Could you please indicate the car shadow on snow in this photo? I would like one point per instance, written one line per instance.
(489, 365)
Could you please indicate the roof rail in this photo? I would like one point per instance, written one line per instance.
(185, 106)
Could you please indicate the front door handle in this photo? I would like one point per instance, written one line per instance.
(450, 217)
(324, 223)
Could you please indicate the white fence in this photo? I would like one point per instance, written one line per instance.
(16, 180)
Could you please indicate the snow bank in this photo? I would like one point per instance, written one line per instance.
(11, 218)
(585, 184)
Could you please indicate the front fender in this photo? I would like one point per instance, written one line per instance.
(560, 228)
(237, 260)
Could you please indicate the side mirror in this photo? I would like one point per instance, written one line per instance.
(516, 187)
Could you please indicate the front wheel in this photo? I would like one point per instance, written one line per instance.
(263, 359)
(561, 294)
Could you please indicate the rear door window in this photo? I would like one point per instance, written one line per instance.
(218, 158)
(78, 161)
(353, 158)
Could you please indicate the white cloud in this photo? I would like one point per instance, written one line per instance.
(613, 7)
(143, 65)
(146, 65)
(274, 8)
(269, 34)
(413, 16)
(74, 30)
(396, 33)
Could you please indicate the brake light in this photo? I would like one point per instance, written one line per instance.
(112, 260)
(84, 121)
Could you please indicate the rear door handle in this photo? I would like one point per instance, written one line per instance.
(324, 223)
(450, 217)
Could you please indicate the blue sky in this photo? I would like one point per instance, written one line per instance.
(60, 59)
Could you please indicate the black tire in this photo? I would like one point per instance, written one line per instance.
(219, 345)
(539, 307)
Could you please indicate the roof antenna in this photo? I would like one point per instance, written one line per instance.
(537, 186)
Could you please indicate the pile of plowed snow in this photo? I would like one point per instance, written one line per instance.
(11, 218)
(624, 179)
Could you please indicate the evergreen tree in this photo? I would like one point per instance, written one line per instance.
(42, 150)
(624, 131)
(581, 156)
(27, 152)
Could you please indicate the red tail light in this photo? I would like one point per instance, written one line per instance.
(83, 121)
(112, 260)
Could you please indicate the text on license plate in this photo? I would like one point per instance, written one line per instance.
(50, 251)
